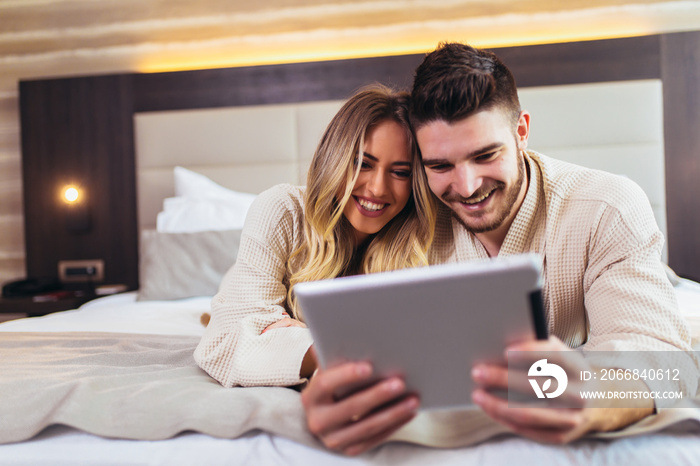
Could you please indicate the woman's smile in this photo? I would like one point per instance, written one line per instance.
(370, 208)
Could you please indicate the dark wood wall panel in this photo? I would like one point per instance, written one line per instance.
(80, 131)
(680, 66)
(583, 62)
(256, 85)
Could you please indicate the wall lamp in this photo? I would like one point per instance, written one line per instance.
(76, 208)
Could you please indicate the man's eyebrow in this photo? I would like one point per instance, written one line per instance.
(375, 159)
(482, 150)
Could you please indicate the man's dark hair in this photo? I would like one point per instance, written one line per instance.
(456, 81)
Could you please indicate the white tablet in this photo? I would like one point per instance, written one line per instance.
(430, 324)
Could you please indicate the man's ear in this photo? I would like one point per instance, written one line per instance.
(522, 131)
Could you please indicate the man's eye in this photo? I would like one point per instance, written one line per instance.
(441, 167)
(486, 157)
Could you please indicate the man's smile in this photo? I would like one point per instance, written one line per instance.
(477, 198)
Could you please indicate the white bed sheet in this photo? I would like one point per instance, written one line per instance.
(60, 445)
(688, 293)
(122, 313)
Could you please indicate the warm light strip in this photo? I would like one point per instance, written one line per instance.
(498, 31)
(340, 43)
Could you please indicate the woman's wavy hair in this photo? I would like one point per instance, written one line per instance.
(329, 248)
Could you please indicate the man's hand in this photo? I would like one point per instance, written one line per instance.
(547, 424)
(362, 420)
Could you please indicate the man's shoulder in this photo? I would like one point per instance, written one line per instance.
(570, 183)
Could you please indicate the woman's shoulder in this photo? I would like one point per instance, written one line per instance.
(285, 194)
(282, 204)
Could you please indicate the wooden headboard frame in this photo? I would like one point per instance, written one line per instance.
(81, 130)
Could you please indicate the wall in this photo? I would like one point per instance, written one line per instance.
(40, 38)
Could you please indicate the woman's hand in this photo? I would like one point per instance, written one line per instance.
(285, 322)
(362, 420)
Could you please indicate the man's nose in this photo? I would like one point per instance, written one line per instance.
(467, 180)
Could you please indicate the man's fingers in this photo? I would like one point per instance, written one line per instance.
(490, 376)
(361, 404)
(521, 418)
(326, 383)
(365, 433)
(332, 414)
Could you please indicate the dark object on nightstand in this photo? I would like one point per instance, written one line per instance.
(38, 297)
(29, 287)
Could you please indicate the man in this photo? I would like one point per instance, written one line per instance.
(604, 285)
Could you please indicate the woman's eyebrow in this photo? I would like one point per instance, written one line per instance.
(375, 159)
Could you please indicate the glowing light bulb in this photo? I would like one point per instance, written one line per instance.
(71, 194)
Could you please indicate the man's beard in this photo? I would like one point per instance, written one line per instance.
(510, 198)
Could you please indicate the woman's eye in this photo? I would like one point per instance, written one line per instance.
(365, 164)
(402, 173)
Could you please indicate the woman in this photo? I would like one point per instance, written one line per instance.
(367, 208)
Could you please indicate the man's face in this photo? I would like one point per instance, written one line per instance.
(475, 167)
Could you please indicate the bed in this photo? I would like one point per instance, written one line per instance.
(114, 382)
(92, 380)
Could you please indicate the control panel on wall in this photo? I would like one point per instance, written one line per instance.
(81, 271)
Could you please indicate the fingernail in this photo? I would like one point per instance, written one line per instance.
(477, 373)
(477, 397)
(395, 386)
(412, 403)
(363, 369)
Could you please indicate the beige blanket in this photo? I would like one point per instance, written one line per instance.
(129, 386)
(148, 387)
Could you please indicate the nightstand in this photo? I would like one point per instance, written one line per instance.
(15, 308)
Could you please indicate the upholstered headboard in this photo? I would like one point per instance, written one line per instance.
(99, 130)
(248, 148)
(613, 126)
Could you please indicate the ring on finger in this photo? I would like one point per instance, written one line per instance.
(355, 418)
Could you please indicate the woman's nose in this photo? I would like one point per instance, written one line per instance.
(377, 183)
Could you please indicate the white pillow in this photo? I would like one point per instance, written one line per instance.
(197, 186)
(184, 215)
(202, 205)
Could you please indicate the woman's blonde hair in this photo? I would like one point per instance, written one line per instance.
(329, 247)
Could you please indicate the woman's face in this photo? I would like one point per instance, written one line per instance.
(384, 185)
